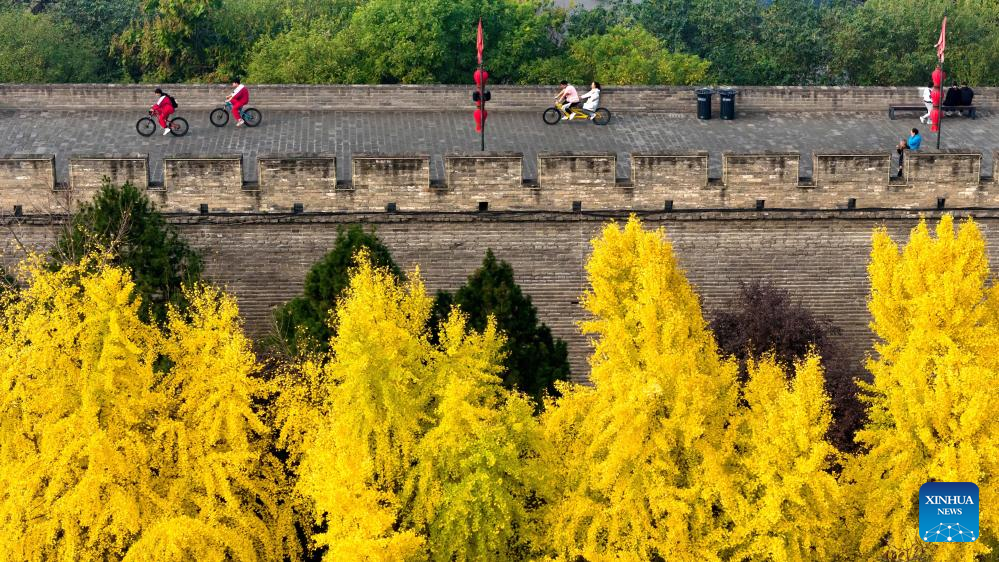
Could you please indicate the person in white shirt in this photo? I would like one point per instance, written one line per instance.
(928, 100)
(592, 100)
(571, 97)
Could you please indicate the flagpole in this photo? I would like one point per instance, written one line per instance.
(941, 45)
(482, 106)
(482, 87)
(940, 111)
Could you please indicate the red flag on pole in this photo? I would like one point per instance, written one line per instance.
(479, 43)
(942, 42)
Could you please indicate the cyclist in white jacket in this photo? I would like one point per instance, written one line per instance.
(592, 100)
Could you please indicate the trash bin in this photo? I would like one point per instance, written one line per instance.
(704, 102)
(726, 99)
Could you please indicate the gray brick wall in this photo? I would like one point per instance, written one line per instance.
(216, 180)
(820, 256)
(87, 172)
(672, 99)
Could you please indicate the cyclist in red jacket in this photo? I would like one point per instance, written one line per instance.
(239, 97)
(163, 108)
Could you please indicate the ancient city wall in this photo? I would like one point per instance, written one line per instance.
(820, 256)
(495, 182)
(671, 99)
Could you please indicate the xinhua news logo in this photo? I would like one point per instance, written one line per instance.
(948, 512)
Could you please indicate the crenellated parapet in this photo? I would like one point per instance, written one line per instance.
(496, 182)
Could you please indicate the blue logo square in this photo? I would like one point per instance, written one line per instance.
(948, 512)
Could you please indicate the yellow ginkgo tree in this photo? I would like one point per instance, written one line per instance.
(418, 451)
(121, 441)
(935, 387)
(666, 455)
(792, 505)
(642, 460)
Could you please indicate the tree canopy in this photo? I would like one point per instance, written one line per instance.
(303, 324)
(791, 42)
(43, 48)
(129, 439)
(764, 319)
(109, 453)
(123, 222)
(533, 359)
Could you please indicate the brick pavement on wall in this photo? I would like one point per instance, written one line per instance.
(344, 133)
(819, 256)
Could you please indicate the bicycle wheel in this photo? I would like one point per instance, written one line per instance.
(601, 116)
(219, 117)
(552, 116)
(251, 117)
(178, 126)
(145, 126)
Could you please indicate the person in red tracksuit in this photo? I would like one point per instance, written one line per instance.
(239, 97)
(163, 108)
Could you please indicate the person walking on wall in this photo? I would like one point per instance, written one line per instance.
(912, 143)
(163, 108)
(928, 100)
(239, 97)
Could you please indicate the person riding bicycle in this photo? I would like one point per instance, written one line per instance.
(592, 100)
(571, 97)
(239, 97)
(163, 108)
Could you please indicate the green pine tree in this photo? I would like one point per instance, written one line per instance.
(124, 221)
(534, 358)
(303, 323)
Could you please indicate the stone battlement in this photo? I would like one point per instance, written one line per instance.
(495, 182)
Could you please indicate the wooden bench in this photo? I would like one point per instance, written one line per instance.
(962, 109)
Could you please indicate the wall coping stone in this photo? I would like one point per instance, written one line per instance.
(297, 156)
(16, 156)
(231, 156)
(499, 154)
(763, 153)
(956, 151)
(109, 156)
(669, 153)
(851, 153)
(395, 156)
(577, 154)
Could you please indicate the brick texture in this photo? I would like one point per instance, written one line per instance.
(670, 99)
(88, 173)
(819, 256)
(496, 179)
(297, 178)
(190, 180)
(29, 180)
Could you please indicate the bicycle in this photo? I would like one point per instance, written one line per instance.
(553, 115)
(146, 126)
(220, 115)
